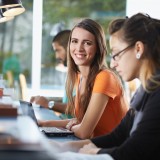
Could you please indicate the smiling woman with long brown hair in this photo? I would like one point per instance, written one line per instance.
(99, 104)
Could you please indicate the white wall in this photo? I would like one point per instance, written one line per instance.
(36, 55)
(151, 7)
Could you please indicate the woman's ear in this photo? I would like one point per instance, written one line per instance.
(139, 49)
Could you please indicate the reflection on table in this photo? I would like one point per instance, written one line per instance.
(20, 137)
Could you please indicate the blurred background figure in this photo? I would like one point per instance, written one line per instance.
(12, 68)
(59, 44)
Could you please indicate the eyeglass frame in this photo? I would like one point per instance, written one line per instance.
(118, 53)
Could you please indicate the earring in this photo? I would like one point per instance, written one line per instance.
(138, 55)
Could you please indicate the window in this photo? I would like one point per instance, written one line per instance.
(29, 37)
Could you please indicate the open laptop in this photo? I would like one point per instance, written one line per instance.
(27, 109)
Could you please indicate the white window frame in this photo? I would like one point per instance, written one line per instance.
(36, 55)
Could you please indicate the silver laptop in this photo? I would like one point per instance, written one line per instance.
(27, 109)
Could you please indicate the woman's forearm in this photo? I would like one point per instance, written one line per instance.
(74, 146)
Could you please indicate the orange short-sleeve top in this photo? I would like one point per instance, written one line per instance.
(107, 83)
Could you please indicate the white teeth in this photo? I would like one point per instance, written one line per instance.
(80, 55)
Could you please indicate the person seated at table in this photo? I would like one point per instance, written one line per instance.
(100, 102)
(59, 44)
(134, 40)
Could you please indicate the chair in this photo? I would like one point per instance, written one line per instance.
(23, 86)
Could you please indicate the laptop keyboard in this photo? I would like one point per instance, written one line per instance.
(53, 129)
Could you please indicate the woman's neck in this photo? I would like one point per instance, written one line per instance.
(84, 71)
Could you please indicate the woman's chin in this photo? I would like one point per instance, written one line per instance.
(124, 78)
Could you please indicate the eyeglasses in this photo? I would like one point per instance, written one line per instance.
(116, 56)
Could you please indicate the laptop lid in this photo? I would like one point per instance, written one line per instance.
(27, 109)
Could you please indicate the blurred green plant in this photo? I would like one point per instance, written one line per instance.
(68, 11)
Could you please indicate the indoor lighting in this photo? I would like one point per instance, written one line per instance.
(13, 11)
(4, 19)
(9, 3)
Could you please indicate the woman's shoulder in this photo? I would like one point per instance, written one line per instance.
(107, 74)
(108, 79)
(107, 71)
(155, 95)
(107, 82)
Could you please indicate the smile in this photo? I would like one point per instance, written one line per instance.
(80, 55)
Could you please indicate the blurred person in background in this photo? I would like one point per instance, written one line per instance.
(59, 44)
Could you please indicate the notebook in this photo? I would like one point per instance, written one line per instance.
(27, 109)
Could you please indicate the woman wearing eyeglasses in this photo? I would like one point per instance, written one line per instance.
(135, 45)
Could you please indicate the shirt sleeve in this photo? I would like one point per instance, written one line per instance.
(143, 142)
(107, 83)
(119, 134)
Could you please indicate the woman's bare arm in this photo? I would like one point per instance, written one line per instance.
(93, 114)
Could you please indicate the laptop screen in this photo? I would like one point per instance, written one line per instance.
(27, 109)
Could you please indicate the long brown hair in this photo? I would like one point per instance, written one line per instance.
(97, 65)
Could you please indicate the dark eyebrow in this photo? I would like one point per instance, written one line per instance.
(84, 40)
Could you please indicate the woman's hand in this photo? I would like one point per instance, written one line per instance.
(89, 149)
(71, 123)
(42, 101)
